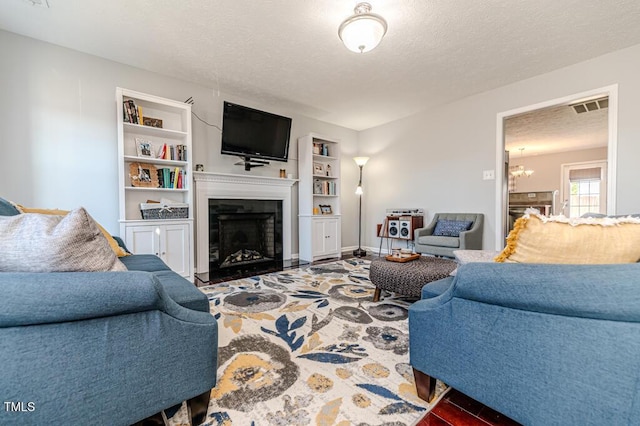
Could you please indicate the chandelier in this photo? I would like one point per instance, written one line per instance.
(362, 31)
(519, 170)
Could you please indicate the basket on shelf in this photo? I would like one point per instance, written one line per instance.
(164, 211)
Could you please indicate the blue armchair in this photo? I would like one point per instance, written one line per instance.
(542, 344)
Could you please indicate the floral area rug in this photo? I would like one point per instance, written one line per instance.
(309, 347)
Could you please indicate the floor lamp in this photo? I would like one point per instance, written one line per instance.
(360, 161)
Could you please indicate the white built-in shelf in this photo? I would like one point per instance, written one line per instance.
(143, 188)
(319, 234)
(323, 157)
(160, 161)
(154, 131)
(171, 239)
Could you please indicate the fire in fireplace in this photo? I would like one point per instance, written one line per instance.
(244, 236)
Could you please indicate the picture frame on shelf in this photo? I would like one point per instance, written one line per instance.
(145, 148)
(152, 122)
(143, 175)
(318, 169)
(317, 187)
(325, 209)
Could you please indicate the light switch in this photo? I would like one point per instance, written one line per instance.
(488, 175)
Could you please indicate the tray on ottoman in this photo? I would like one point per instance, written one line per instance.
(391, 258)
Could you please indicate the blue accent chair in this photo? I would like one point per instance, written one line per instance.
(542, 344)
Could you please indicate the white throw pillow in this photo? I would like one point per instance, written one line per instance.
(32, 242)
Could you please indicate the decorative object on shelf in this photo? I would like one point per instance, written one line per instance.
(145, 148)
(152, 122)
(519, 170)
(162, 211)
(283, 173)
(317, 187)
(362, 31)
(199, 168)
(360, 161)
(143, 175)
(316, 210)
(318, 169)
(325, 209)
(328, 170)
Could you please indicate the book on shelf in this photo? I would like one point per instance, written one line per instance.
(321, 149)
(175, 153)
(324, 187)
(171, 178)
(132, 112)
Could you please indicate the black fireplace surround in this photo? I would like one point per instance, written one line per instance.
(245, 237)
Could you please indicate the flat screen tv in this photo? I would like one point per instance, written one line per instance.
(251, 133)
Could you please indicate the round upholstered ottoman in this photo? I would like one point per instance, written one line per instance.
(408, 278)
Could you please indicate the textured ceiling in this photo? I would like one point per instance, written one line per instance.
(288, 52)
(555, 129)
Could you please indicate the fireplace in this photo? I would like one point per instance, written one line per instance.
(225, 186)
(245, 236)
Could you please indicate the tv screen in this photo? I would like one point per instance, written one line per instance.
(248, 132)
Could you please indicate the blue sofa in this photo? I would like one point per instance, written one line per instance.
(542, 344)
(103, 348)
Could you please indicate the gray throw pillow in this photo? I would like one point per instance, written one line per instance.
(33, 242)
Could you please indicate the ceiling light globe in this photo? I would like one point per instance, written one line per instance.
(363, 31)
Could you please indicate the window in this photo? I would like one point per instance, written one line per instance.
(585, 187)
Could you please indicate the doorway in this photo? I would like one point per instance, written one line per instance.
(610, 93)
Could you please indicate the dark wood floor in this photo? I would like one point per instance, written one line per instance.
(457, 409)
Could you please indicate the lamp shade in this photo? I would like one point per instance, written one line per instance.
(363, 31)
(361, 161)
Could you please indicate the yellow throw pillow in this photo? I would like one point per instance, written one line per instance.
(119, 251)
(557, 239)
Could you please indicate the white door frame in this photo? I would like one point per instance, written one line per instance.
(612, 149)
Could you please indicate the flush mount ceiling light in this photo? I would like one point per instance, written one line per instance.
(363, 31)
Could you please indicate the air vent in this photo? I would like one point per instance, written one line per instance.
(38, 3)
(590, 105)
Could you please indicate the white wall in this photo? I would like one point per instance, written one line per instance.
(547, 169)
(58, 139)
(435, 159)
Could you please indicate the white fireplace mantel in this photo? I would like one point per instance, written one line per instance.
(242, 187)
